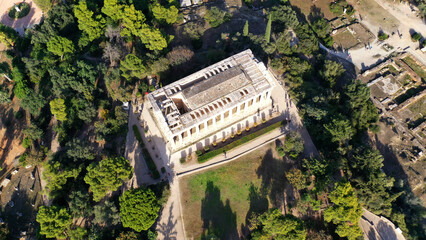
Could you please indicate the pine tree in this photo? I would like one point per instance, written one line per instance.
(246, 29)
(268, 29)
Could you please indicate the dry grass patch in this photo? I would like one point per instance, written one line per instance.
(219, 201)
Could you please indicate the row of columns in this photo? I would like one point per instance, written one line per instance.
(243, 106)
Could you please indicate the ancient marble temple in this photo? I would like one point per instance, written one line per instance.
(211, 104)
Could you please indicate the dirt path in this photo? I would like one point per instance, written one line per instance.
(400, 20)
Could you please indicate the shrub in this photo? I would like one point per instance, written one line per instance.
(182, 160)
(383, 36)
(280, 151)
(206, 148)
(247, 138)
(239, 132)
(25, 9)
(26, 143)
(214, 144)
(336, 8)
(199, 152)
(416, 37)
(215, 17)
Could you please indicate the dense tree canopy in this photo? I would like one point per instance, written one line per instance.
(54, 221)
(60, 46)
(345, 211)
(138, 209)
(107, 175)
(94, 27)
(274, 225)
(58, 108)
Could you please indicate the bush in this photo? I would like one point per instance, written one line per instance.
(336, 8)
(383, 36)
(182, 160)
(206, 148)
(215, 17)
(25, 9)
(280, 151)
(199, 152)
(247, 138)
(416, 37)
(26, 143)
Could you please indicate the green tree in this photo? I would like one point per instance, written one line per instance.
(33, 102)
(8, 35)
(56, 174)
(112, 9)
(58, 108)
(33, 132)
(345, 211)
(362, 112)
(132, 67)
(107, 175)
(4, 96)
(340, 131)
(78, 233)
(297, 179)
(285, 15)
(308, 43)
(79, 204)
(274, 225)
(331, 72)
(293, 144)
(165, 15)
(94, 27)
(60, 46)
(246, 29)
(106, 213)
(44, 5)
(216, 17)
(54, 221)
(139, 209)
(132, 21)
(77, 149)
(153, 38)
(268, 29)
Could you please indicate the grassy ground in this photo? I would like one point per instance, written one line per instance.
(306, 7)
(418, 107)
(219, 201)
(345, 39)
(416, 68)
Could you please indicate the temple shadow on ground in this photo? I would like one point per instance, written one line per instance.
(218, 218)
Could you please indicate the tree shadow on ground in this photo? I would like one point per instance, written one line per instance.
(272, 173)
(258, 204)
(168, 230)
(218, 218)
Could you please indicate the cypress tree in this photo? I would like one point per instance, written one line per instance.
(246, 29)
(268, 29)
